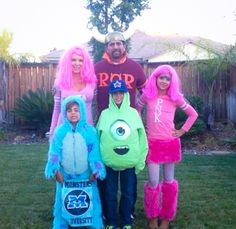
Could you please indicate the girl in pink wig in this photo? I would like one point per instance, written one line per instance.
(75, 76)
(162, 96)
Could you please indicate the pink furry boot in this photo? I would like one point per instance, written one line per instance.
(169, 202)
(151, 205)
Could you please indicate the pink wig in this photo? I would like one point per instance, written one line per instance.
(151, 90)
(64, 69)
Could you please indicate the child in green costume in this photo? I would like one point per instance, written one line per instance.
(123, 145)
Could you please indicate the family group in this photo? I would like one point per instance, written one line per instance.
(109, 122)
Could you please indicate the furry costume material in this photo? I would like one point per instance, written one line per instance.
(75, 153)
(86, 93)
(164, 151)
(162, 99)
(123, 140)
(123, 145)
(169, 199)
(151, 201)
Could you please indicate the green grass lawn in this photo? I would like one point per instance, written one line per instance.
(207, 197)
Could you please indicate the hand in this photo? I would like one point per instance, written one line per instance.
(59, 177)
(139, 168)
(137, 171)
(92, 177)
(178, 133)
(98, 170)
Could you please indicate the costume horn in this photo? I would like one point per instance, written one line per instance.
(128, 33)
(115, 35)
(98, 36)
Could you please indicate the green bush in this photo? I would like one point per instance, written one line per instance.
(199, 126)
(35, 108)
(3, 134)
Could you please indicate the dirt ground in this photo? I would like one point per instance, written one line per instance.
(211, 141)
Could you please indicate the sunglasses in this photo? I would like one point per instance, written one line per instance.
(167, 78)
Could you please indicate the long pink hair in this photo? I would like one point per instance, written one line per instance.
(64, 68)
(151, 90)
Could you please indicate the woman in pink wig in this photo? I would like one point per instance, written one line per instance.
(75, 76)
(162, 96)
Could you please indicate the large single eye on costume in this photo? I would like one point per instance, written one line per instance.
(120, 130)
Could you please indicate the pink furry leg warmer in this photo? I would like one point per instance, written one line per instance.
(151, 201)
(169, 200)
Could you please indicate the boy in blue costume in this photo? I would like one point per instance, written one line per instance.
(123, 145)
(74, 160)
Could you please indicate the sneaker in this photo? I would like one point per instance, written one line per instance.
(133, 216)
(110, 227)
(127, 227)
(104, 219)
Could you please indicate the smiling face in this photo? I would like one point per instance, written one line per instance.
(76, 62)
(115, 49)
(118, 97)
(163, 83)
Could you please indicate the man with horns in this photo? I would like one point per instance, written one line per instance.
(116, 64)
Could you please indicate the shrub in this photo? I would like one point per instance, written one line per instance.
(199, 126)
(3, 134)
(35, 108)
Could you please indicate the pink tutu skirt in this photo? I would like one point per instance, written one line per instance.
(164, 151)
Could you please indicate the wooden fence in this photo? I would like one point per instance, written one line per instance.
(194, 84)
(16, 80)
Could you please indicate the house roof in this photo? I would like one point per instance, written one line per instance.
(53, 56)
(159, 48)
(151, 48)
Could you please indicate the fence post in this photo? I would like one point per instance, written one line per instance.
(3, 86)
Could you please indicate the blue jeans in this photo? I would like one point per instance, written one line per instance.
(127, 180)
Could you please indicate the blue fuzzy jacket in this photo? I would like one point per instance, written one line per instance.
(75, 151)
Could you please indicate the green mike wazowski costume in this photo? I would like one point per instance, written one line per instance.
(123, 141)
(123, 145)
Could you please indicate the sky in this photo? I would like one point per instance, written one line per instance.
(39, 26)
